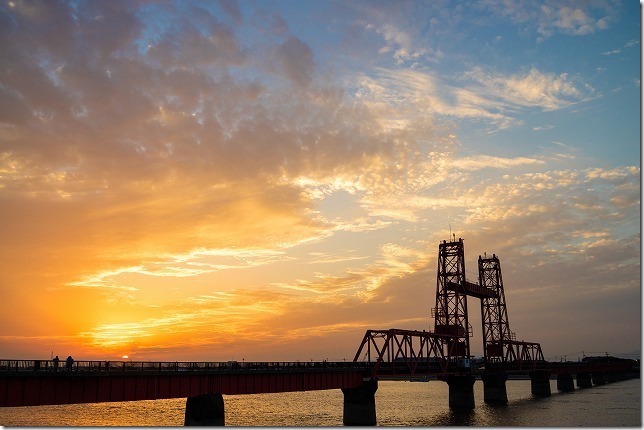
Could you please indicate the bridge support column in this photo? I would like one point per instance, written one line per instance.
(610, 377)
(540, 383)
(494, 387)
(598, 378)
(584, 380)
(461, 391)
(205, 410)
(565, 382)
(360, 404)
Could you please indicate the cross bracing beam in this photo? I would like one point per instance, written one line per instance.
(472, 289)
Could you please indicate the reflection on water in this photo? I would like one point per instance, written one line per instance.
(397, 404)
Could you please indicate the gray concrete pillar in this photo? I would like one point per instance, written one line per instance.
(565, 382)
(360, 404)
(598, 378)
(540, 383)
(494, 390)
(584, 380)
(205, 410)
(461, 391)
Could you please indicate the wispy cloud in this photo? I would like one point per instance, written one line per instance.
(486, 161)
(550, 17)
(546, 91)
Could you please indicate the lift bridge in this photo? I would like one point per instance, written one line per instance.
(446, 350)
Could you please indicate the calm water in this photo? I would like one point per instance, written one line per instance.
(397, 404)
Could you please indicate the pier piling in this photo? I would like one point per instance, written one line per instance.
(584, 380)
(461, 391)
(360, 404)
(494, 391)
(205, 410)
(565, 382)
(540, 383)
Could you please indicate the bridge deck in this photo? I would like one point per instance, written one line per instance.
(40, 382)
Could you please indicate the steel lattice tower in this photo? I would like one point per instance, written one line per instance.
(450, 313)
(494, 311)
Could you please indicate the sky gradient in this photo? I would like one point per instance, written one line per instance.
(266, 180)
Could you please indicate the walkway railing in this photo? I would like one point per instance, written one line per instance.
(174, 366)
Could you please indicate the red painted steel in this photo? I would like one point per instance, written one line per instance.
(32, 385)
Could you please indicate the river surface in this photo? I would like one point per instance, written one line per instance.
(397, 404)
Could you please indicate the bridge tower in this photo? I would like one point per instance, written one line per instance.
(494, 311)
(450, 313)
(499, 342)
(501, 350)
(451, 324)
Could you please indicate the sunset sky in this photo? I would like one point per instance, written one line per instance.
(266, 180)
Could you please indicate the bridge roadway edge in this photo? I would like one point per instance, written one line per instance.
(24, 388)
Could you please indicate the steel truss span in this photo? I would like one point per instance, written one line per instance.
(397, 353)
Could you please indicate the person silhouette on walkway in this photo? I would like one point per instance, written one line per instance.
(56, 360)
(70, 362)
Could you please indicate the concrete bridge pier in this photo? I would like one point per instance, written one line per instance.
(540, 383)
(598, 378)
(494, 390)
(610, 377)
(461, 391)
(205, 410)
(584, 380)
(565, 382)
(360, 404)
